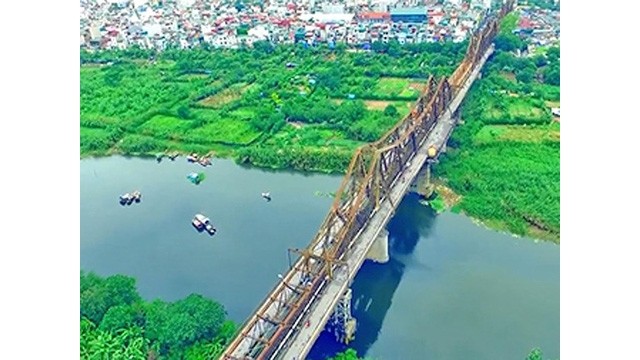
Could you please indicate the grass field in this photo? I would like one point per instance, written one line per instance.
(167, 127)
(514, 109)
(397, 87)
(517, 133)
(224, 130)
(313, 136)
(403, 107)
(225, 96)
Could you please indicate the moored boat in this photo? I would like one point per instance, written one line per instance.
(203, 223)
(129, 198)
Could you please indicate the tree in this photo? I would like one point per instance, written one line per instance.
(552, 75)
(351, 111)
(503, 61)
(553, 54)
(98, 295)
(184, 112)
(391, 111)
(181, 324)
(330, 78)
(525, 75)
(508, 42)
(379, 47)
(262, 47)
(118, 317)
(394, 49)
(540, 60)
(439, 60)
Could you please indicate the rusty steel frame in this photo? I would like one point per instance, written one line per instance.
(371, 173)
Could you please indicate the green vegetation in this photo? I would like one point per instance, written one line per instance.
(505, 159)
(277, 107)
(115, 323)
(349, 354)
(506, 40)
(437, 203)
(535, 354)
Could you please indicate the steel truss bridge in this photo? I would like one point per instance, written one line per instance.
(314, 294)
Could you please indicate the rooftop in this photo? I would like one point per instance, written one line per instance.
(420, 10)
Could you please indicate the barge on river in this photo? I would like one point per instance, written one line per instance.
(129, 198)
(202, 223)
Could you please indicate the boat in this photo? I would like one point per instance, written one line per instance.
(202, 223)
(129, 198)
(196, 178)
(126, 199)
(210, 229)
(204, 162)
(192, 158)
(266, 196)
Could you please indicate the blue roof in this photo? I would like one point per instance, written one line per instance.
(419, 10)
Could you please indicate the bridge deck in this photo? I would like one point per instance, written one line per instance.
(322, 306)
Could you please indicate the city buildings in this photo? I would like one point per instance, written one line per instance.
(118, 24)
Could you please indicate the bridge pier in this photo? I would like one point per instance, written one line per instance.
(341, 323)
(379, 251)
(421, 185)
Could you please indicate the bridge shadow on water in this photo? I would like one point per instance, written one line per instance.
(375, 284)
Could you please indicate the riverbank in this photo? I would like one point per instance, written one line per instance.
(450, 200)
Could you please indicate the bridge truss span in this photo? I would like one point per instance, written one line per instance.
(287, 322)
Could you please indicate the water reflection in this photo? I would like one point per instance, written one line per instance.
(375, 284)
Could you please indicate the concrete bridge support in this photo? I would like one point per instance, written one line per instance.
(341, 323)
(421, 185)
(379, 251)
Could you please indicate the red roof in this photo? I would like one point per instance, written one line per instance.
(525, 23)
(374, 15)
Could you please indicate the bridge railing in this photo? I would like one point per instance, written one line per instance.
(370, 176)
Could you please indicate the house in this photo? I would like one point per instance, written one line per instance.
(409, 15)
(95, 36)
(371, 17)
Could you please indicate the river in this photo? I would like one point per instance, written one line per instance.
(451, 290)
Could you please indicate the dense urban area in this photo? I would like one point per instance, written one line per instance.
(184, 24)
(300, 85)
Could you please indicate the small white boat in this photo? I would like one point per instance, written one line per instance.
(266, 196)
(202, 222)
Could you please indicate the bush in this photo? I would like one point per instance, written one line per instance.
(391, 110)
(184, 112)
